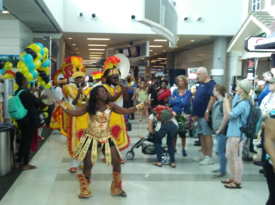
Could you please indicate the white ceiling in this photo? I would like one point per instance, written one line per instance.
(81, 43)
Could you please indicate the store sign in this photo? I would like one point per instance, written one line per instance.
(250, 43)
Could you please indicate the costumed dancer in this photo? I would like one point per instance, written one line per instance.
(98, 137)
(97, 76)
(116, 94)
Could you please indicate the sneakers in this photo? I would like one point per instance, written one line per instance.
(218, 176)
(199, 158)
(216, 170)
(207, 161)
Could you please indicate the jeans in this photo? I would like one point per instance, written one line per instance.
(270, 178)
(171, 130)
(221, 147)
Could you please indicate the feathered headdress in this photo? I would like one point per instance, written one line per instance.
(110, 64)
(73, 67)
(96, 75)
(56, 76)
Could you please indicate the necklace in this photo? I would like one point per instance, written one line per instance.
(181, 92)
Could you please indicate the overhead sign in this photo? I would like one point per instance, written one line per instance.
(252, 41)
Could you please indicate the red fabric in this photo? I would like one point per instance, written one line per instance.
(165, 93)
(34, 143)
(160, 108)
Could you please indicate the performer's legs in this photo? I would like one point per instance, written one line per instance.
(73, 165)
(84, 179)
(116, 186)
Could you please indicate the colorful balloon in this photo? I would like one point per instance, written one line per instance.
(42, 52)
(22, 55)
(35, 48)
(20, 64)
(34, 74)
(39, 56)
(40, 45)
(8, 66)
(45, 109)
(46, 50)
(42, 83)
(37, 63)
(31, 66)
(48, 86)
(15, 86)
(3, 71)
(29, 77)
(46, 115)
(24, 70)
(27, 58)
(46, 63)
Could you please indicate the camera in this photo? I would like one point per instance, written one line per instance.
(93, 15)
(133, 17)
(80, 14)
(185, 18)
(198, 18)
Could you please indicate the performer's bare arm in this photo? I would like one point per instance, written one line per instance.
(75, 113)
(80, 92)
(269, 140)
(122, 92)
(124, 111)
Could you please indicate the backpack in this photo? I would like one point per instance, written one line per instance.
(253, 124)
(16, 109)
(163, 113)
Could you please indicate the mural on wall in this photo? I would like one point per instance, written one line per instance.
(14, 59)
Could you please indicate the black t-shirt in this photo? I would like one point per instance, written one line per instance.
(154, 95)
(28, 100)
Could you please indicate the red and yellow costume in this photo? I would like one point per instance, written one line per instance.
(117, 122)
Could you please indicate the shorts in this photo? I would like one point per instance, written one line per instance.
(138, 102)
(181, 135)
(203, 127)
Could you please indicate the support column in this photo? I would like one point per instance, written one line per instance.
(170, 65)
(273, 63)
(219, 60)
(148, 71)
(234, 69)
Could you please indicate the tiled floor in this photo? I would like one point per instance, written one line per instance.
(144, 183)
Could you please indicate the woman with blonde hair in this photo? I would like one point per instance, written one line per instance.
(180, 103)
(141, 94)
(238, 115)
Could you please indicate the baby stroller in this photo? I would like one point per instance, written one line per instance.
(149, 149)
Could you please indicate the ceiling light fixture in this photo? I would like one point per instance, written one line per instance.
(96, 52)
(97, 45)
(98, 39)
(73, 44)
(160, 40)
(150, 50)
(96, 49)
(176, 46)
(156, 53)
(155, 46)
(162, 58)
(192, 40)
(70, 38)
(96, 55)
(5, 12)
(164, 50)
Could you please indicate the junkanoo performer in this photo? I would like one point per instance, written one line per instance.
(116, 93)
(96, 76)
(75, 95)
(98, 137)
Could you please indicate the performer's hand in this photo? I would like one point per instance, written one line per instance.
(57, 103)
(148, 102)
(43, 97)
(124, 90)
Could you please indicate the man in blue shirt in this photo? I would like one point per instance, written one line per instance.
(267, 76)
(129, 103)
(202, 106)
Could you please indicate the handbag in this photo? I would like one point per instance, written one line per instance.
(181, 122)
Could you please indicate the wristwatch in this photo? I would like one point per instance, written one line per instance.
(207, 111)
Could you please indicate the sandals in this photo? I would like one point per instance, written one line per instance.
(156, 164)
(17, 165)
(233, 185)
(227, 181)
(172, 165)
(29, 167)
(123, 194)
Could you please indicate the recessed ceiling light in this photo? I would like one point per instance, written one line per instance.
(98, 39)
(73, 44)
(70, 38)
(78, 52)
(162, 58)
(96, 49)
(160, 40)
(96, 55)
(156, 53)
(155, 46)
(5, 12)
(150, 50)
(176, 46)
(97, 45)
(96, 52)
(157, 60)
(192, 40)
(164, 50)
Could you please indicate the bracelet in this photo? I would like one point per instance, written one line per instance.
(140, 106)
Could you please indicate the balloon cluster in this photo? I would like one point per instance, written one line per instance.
(34, 64)
(5, 70)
